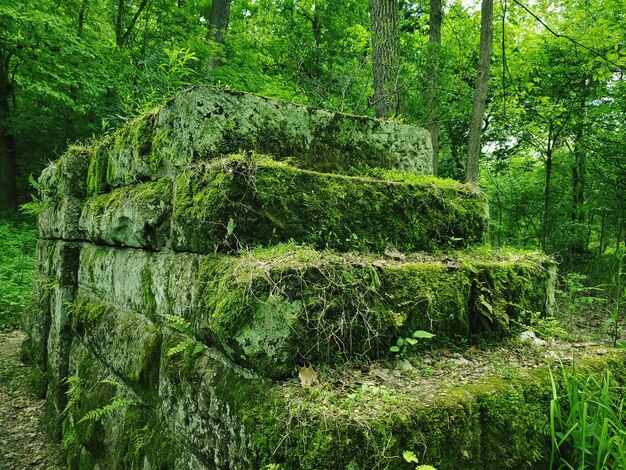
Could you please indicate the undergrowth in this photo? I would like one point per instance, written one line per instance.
(18, 237)
(587, 422)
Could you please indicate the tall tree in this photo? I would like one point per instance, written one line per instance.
(218, 24)
(384, 18)
(434, 40)
(480, 91)
(8, 170)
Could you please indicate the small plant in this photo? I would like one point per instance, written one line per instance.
(587, 423)
(410, 457)
(403, 344)
(120, 400)
(618, 288)
(188, 347)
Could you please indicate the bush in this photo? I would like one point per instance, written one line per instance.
(18, 237)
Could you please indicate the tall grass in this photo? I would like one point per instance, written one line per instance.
(18, 237)
(587, 422)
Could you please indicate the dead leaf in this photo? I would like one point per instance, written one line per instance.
(392, 253)
(308, 377)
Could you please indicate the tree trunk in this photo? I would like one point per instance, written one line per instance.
(81, 17)
(119, 24)
(121, 34)
(384, 18)
(547, 195)
(577, 245)
(434, 39)
(218, 25)
(480, 92)
(8, 167)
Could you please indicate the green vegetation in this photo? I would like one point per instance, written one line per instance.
(17, 266)
(588, 421)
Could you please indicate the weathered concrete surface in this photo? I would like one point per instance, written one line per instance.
(178, 289)
(238, 202)
(203, 123)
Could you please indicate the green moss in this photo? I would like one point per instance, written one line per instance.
(87, 311)
(98, 168)
(273, 312)
(239, 202)
(494, 424)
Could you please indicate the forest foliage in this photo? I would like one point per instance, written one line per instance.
(553, 142)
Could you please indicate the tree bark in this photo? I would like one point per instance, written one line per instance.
(434, 39)
(547, 194)
(8, 166)
(480, 92)
(218, 25)
(121, 34)
(578, 244)
(81, 17)
(384, 19)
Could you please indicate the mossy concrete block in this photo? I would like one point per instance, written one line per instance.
(240, 201)
(203, 123)
(64, 258)
(36, 316)
(489, 424)
(61, 191)
(199, 404)
(126, 341)
(137, 215)
(173, 284)
(155, 284)
(67, 176)
(59, 219)
(277, 308)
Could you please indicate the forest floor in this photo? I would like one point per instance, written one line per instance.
(24, 443)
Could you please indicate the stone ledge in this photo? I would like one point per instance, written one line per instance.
(204, 123)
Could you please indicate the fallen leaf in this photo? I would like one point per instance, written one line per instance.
(308, 377)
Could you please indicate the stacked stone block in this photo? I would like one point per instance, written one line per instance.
(190, 262)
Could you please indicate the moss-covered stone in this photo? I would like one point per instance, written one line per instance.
(107, 426)
(137, 215)
(127, 342)
(155, 284)
(276, 308)
(59, 219)
(67, 176)
(242, 201)
(204, 123)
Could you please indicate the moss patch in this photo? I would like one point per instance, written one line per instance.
(274, 309)
(137, 215)
(239, 201)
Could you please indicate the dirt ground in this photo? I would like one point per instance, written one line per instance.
(24, 443)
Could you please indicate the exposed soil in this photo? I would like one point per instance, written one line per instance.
(24, 444)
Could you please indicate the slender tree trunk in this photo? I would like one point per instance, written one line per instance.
(480, 92)
(218, 25)
(434, 39)
(122, 34)
(384, 18)
(119, 23)
(578, 196)
(81, 17)
(8, 167)
(547, 195)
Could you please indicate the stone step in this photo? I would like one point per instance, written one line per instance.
(204, 123)
(240, 202)
(273, 309)
(482, 409)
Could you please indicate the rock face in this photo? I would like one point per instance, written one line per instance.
(180, 286)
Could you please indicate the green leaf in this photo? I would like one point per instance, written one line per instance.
(394, 349)
(409, 456)
(422, 334)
